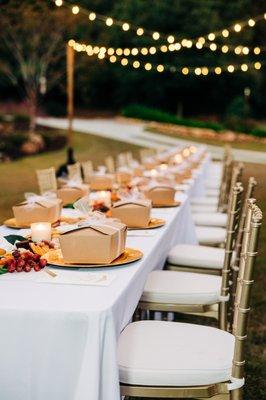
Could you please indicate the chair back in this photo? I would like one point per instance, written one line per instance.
(87, 169)
(233, 217)
(249, 194)
(46, 180)
(226, 177)
(110, 164)
(74, 171)
(244, 285)
(121, 160)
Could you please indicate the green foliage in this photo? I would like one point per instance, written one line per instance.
(259, 132)
(152, 114)
(10, 144)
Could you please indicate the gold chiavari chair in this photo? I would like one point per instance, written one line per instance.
(74, 171)
(238, 245)
(110, 164)
(160, 359)
(46, 180)
(87, 169)
(212, 204)
(201, 258)
(192, 293)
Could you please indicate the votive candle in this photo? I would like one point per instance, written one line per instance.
(41, 231)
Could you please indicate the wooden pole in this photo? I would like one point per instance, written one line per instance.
(70, 93)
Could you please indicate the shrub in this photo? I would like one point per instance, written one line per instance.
(152, 114)
(53, 140)
(10, 144)
(259, 132)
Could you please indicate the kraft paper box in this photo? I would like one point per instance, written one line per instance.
(133, 213)
(101, 182)
(40, 211)
(124, 177)
(161, 195)
(70, 194)
(94, 244)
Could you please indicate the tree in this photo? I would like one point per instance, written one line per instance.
(33, 35)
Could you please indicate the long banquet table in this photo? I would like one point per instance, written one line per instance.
(58, 341)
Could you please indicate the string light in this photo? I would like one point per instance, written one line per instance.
(103, 52)
(251, 22)
(75, 10)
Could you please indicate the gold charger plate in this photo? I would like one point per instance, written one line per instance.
(175, 204)
(153, 224)
(54, 257)
(12, 223)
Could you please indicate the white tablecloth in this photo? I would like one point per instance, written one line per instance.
(58, 342)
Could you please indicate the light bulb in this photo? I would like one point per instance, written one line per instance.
(163, 49)
(211, 36)
(140, 31)
(205, 71)
(213, 46)
(156, 35)
(170, 39)
(124, 61)
(225, 33)
(245, 50)
(110, 51)
(237, 27)
(199, 45)
(152, 50)
(244, 67)
(109, 21)
(225, 49)
(160, 68)
(126, 52)
(119, 52)
(75, 10)
(197, 71)
(230, 68)
(257, 65)
(125, 26)
(92, 16)
(112, 59)
(148, 66)
(257, 50)
(185, 71)
(201, 40)
(218, 70)
(134, 51)
(251, 22)
(177, 46)
(136, 64)
(71, 43)
(238, 50)
(58, 3)
(144, 51)
(171, 47)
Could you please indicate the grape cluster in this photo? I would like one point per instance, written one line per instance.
(25, 261)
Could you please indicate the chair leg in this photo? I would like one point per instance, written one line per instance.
(237, 394)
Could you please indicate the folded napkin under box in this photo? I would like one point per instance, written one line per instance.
(95, 243)
(41, 210)
(69, 194)
(161, 195)
(133, 213)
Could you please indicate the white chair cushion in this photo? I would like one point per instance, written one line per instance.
(205, 201)
(210, 219)
(158, 353)
(210, 235)
(177, 287)
(196, 256)
(203, 208)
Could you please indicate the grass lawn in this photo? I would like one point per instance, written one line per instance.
(256, 146)
(19, 177)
